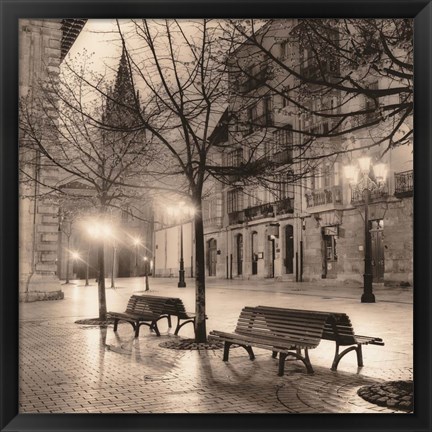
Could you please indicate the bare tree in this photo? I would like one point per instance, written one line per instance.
(60, 127)
(194, 74)
(335, 78)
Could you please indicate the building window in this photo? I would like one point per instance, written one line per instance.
(313, 179)
(235, 157)
(260, 114)
(327, 174)
(285, 186)
(234, 200)
(373, 114)
(330, 239)
(268, 110)
(282, 150)
(283, 50)
(283, 138)
(285, 96)
(255, 76)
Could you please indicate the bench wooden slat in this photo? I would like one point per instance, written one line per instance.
(162, 307)
(282, 330)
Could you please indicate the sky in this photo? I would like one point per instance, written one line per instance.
(100, 37)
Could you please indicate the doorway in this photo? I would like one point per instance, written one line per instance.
(239, 255)
(254, 249)
(377, 249)
(272, 255)
(329, 252)
(212, 257)
(289, 249)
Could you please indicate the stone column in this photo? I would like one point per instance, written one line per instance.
(39, 59)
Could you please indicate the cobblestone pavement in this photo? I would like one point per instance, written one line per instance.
(70, 368)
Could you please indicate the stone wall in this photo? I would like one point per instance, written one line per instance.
(39, 45)
(397, 240)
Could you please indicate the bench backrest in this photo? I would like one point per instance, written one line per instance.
(160, 305)
(146, 304)
(337, 326)
(289, 325)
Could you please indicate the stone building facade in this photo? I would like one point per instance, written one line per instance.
(314, 228)
(43, 44)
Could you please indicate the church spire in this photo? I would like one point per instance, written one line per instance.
(123, 93)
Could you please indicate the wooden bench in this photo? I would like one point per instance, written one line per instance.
(149, 309)
(141, 310)
(282, 331)
(338, 328)
(174, 307)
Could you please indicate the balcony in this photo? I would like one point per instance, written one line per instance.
(404, 184)
(236, 217)
(375, 195)
(258, 79)
(282, 157)
(262, 121)
(283, 206)
(330, 197)
(328, 70)
(260, 211)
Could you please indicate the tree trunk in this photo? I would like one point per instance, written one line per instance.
(101, 282)
(200, 306)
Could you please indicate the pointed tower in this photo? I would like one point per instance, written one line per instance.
(122, 102)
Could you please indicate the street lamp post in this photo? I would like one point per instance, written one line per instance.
(366, 185)
(181, 210)
(136, 242)
(113, 263)
(146, 272)
(181, 283)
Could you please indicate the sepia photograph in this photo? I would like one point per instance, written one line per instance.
(216, 216)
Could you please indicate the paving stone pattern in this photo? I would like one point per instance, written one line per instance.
(68, 368)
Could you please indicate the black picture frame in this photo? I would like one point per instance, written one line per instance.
(11, 11)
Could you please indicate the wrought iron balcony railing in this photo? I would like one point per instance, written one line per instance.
(283, 206)
(331, 195)
(236, 217)
(283, 157)
(357, 195)
(404, 184)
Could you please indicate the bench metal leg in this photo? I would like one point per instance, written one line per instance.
(282, 357)
(227, 346)
(250, 351)
(338, 356)
(153, 326)
(305, 360)
(115, 324)
(359, 356)
(179, 326)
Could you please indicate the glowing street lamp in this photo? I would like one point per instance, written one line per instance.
(360, 178)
